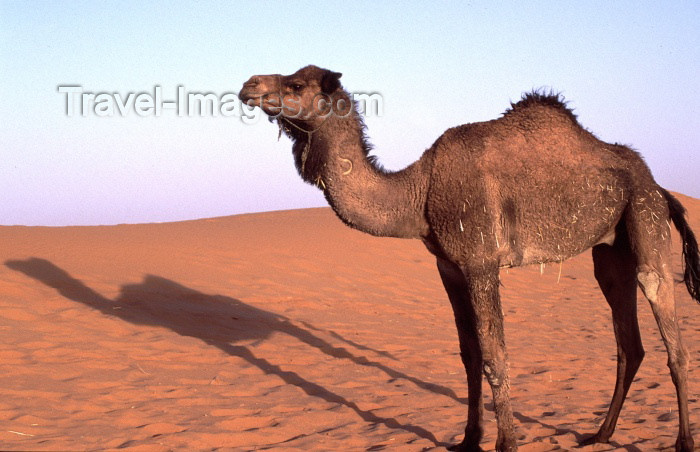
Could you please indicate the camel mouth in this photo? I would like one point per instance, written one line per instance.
(246, 96)
(259, 99)
(252, 101)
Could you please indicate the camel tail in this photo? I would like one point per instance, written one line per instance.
(691, 254)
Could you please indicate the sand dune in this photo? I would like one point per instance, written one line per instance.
(288, 330)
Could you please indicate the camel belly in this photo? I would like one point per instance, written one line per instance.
(504, 223)
(568, 228)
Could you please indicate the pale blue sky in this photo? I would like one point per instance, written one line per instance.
(630, 69)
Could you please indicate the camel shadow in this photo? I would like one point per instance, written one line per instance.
(222, 322)
(581, 439)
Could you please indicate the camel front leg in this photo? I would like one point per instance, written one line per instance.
(486, 304)
(470, 351)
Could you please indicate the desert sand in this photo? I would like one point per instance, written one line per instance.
(288, 330)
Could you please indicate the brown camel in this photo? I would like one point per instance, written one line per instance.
(530, 187)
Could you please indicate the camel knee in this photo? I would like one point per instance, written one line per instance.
(496, 373)
(634, 357)
(649, 281)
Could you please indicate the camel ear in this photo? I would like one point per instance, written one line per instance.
(330, 81)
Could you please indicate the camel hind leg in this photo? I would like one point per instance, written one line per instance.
(615, 270)
(650, 239)
(658, 289)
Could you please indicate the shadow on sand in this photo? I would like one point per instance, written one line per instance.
(221, 321)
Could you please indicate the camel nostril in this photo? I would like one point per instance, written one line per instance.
(252, 82)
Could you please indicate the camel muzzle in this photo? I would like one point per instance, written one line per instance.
(257, 87)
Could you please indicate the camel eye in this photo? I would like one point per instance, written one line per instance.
(296, 86)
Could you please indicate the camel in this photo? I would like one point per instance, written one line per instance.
(530, 187)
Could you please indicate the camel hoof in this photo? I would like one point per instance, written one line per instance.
(594, 439)
(463, 447)
(507, 446)
(685, 445)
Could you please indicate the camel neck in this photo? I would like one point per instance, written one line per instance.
(334, 156)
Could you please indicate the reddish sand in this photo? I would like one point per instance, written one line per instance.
(289, 330)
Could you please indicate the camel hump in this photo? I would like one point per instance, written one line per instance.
(540, 98)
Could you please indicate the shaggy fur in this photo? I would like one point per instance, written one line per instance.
(554, 100)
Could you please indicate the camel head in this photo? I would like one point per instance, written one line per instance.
(306, 97)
